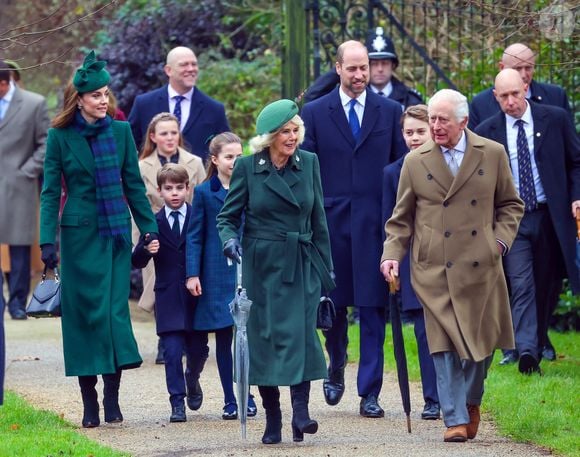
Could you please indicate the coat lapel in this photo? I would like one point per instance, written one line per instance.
(471, 159)
(217, 190)
(13, 108)
(540, 126)
(153, 166)
(165, 228)
(371, 114)
(436, 167)
(195, 110)
(276, 183)
(336, 112)
(81, 150)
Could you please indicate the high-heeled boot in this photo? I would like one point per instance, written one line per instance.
(271, 403)
(90, 401)
(111, 397)
(301, 422)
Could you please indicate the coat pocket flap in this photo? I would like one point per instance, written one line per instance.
(69, 220)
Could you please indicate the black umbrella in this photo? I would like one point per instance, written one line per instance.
(399, 349)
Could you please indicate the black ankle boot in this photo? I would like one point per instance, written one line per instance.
(90, 401)
(111, 397)
(301, 422)
(271, 403)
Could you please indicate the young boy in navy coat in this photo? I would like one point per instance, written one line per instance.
(174, 305)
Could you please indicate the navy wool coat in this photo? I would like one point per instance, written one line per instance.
(391, 175)
(204, 258)
(174, 305)
(352, 186)
(207, 118)
(557, 153)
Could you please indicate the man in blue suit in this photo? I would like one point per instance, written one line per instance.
(201, 117)
(355, 133)
(544, 154)
(522, 59)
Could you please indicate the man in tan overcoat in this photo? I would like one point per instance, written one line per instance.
(458, 211)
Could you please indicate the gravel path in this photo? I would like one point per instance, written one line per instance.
(34, 352)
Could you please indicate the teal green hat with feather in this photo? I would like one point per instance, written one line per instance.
(91, 75)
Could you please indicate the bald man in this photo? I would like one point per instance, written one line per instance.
(544, 154)
(522, 59)
(201, 117)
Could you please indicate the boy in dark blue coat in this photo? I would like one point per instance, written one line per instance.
(174, 305)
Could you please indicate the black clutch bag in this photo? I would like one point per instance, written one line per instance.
(45, 301)
(326, 314)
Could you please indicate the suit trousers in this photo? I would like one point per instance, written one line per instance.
(428, 376)
(529, 269)
(459, 383)
(336, 341)
(19, 279)
(372, 339)
(174, 345)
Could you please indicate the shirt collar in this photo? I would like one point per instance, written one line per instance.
(386, 91)
(182, 210)
(8, 97)
(526, 117)
(173, 93)
(460, 146)
(345, 99)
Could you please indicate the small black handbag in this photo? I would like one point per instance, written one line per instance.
(326, 314)
(45, 301)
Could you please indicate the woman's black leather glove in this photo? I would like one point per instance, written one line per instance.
(48, 256)
(233, 250)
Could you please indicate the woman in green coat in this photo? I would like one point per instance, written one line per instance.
(97, 158)
(278, 193)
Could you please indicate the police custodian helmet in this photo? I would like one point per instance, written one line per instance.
(380, 46)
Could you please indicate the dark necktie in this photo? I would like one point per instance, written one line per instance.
(527, 188)
(175, 227)
(177, 110)
(381, 93)
(353, 121)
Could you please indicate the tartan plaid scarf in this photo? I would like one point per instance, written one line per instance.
(111, 205)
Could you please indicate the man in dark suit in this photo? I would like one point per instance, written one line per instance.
(201, 117)
(23, 127)
(383, 62)
(544, 153)
(522, 59)
(356, 134)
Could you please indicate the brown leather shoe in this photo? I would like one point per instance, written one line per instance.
(455, 434)
(474, 418)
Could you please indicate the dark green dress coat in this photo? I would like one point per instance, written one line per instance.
(286, 259)
(96, 326)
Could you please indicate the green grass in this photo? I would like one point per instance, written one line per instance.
(28, 432)
(543, 410)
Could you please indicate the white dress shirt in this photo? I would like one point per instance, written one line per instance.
(185, 105)
(359, 108)
(182, 213)
(385, 91)
(459, 151)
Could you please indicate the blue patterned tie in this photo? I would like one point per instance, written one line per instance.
(353, 121)
(175, 227)
(527, 188)
(177, 109)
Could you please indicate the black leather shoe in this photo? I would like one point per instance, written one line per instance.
(333, 387)
(159, 360)
(509, 357)
(528, 363)
(549, 353)
(178, 414)
(18, 315)
(431, 411)
(369, 407)
(195, 397)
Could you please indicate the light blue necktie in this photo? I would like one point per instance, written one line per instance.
(177, 110)
(353, 121)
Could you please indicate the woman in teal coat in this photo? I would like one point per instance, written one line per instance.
(286, 262)
(98, 160)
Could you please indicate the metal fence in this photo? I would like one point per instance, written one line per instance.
(453, 43)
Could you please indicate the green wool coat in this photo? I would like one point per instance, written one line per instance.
(96, 326)
(286, 260)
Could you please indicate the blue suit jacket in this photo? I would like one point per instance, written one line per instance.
(207, 118)
(204, 258)
(391, 175)
(352, 184)
(174, 305)
(484, 105)
(557, 154)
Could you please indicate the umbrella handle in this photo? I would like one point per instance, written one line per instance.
(239, 275)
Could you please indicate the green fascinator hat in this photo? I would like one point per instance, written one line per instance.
(275, 115)
(91, 75)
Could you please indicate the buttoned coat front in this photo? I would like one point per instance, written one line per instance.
(205, 258)
(22, 148)
(352, 176)
(286, 256)
(96, 325)
(456, 268)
